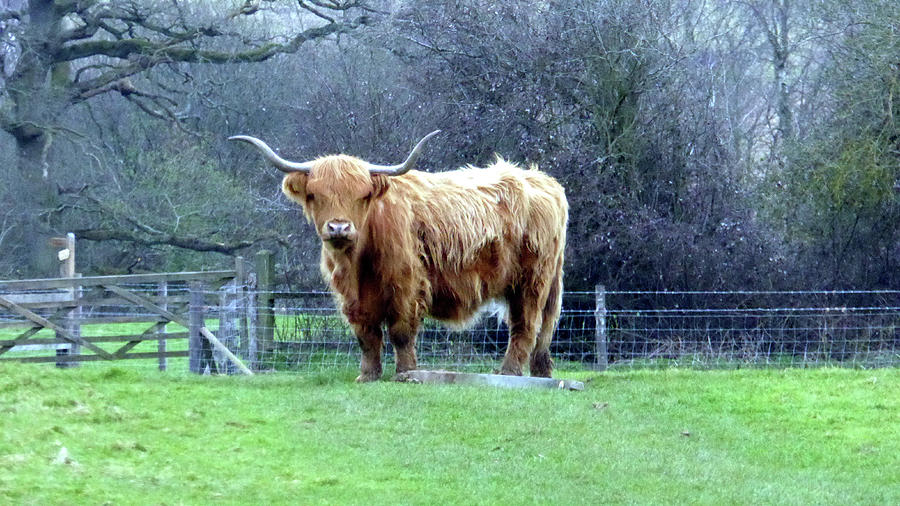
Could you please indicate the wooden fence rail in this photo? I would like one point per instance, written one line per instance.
(71, 307)
(130, 279)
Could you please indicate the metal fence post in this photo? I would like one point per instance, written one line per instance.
(601, 354)
(227, 317)
(163, 293)
(253, 330)
(265, 303)
(241, 292)
(195, 339)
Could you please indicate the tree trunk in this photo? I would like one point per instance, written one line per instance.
(28, 117)
(36, 199)
(781, 52)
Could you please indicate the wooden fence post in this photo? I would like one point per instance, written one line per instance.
(601, 356)
(163, 292)
(265, 303)
(66, 257)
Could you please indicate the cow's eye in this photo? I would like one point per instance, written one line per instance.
(310, 197)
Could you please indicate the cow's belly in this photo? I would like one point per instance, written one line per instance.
(457, 301)
(450, 309)
(457, 294)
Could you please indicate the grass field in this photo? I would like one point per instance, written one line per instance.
(113, 435)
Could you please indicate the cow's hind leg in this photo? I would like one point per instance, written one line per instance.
(541, 363)
(370, 340)
(403, 338)
(522, 320)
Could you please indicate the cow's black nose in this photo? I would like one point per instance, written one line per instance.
(338, 228)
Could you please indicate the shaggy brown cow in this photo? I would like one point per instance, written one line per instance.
(399, 244)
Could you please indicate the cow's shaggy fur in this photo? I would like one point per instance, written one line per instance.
(439, 244)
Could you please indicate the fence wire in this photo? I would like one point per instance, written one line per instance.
(642, 329)
(304, 331)
(733, 329)
(310, 334)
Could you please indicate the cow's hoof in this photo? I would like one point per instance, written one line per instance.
(541, 364)
(368, 377)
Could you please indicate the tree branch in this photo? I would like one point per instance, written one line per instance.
(191, 243)
(160, 51)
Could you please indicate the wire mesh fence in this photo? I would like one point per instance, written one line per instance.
(760, 329)
(310, 334)
(640, 329)
(304, 332)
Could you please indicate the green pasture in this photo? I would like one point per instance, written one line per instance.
(117, 435)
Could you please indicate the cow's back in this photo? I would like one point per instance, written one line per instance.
(477, 229)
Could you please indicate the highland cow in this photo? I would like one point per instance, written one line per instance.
(399, 244)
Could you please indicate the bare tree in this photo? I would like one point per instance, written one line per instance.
(774, 18)
(58, 55)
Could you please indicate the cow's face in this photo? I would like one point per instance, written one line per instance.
(336, 192)
(335, 196)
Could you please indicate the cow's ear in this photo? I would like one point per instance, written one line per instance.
(380, 183)
(294, 186)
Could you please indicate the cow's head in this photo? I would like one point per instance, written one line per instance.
(335, 191)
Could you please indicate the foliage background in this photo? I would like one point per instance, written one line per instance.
(703, 145)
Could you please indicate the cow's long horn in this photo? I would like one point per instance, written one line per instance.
(403, 168)
(273, 158)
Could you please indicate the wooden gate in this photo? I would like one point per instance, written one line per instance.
(75, 311)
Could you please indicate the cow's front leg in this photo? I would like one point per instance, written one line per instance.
(403, 337)
(369, 337)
